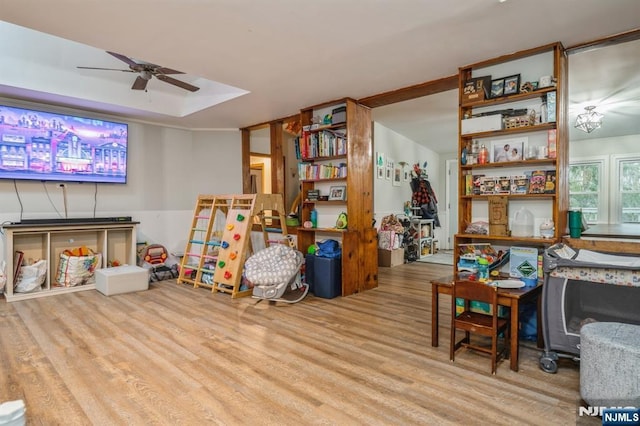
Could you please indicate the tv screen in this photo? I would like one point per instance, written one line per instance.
(39, 145)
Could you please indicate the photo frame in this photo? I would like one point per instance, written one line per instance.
(397, 176)
(380, 172)
(497, 88)
(511, 85)
(389, 170)
(507, 150)
(337, 193)
(477, 88)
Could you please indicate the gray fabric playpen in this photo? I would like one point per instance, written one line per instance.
(583, 286)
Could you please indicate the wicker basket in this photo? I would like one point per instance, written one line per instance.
(520, 121)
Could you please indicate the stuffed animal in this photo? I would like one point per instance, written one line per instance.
(341, 223)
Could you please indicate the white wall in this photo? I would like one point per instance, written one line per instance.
(389, 199)
(167, 167)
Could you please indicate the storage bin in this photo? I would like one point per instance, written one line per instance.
(327, 277)
(121, 279)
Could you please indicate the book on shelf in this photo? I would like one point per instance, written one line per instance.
(468, 184)
(18, 258)
(312, 171)
(551, 143)
(550, 182)
(537, 182)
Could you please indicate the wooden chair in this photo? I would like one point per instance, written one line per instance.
(489, 325)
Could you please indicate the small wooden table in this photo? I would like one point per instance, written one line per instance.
(509, 297)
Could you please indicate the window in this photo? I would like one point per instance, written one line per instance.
(587, 184)
(605, 197)
(627, 190)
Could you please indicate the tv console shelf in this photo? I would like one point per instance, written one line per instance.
(115, 240)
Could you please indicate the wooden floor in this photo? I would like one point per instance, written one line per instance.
(175, 355)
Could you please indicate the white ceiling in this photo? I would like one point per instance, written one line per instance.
(289, 54)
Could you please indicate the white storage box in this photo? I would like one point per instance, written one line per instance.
(121, 279)
(481, 124)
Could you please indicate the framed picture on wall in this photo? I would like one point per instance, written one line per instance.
(397, 176)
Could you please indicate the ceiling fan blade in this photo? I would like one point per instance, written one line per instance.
(178, 83)
(139, 84)
(124, 59)
(163, 70)
(104, 69)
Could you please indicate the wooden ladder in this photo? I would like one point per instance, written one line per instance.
(198, 261)
(214, 258)
(265, 211)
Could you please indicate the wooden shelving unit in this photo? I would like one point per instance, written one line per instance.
(530, 65)
(359, 240)
(113, 240)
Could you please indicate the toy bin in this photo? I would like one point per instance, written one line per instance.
(327, 277)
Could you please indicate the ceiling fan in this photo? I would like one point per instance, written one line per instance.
(145, 72)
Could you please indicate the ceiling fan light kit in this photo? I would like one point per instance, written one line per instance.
(146, 72)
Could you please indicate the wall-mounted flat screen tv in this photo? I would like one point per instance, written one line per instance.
(46, 146)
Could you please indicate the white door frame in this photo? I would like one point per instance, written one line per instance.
(451, 203)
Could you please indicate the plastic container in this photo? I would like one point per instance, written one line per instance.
(522, 223)
(483, 269)
(314, 218)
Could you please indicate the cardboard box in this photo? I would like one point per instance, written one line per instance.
(390, 258)
(523, 262)
(481, 124)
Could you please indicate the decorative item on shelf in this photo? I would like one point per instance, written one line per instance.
(339, 115)
(476, 89)
(341, 222)
(483, 155)
(528, 86)
(314, 218)
(528, 119)
(546, 228)
(590, 120)
(547, 81)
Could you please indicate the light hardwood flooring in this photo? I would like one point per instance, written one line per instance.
(175, 355)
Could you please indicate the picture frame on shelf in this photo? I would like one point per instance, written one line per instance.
(506, 150)
(497, 88)
(511, 85)
(477, 88)
(337, 193)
